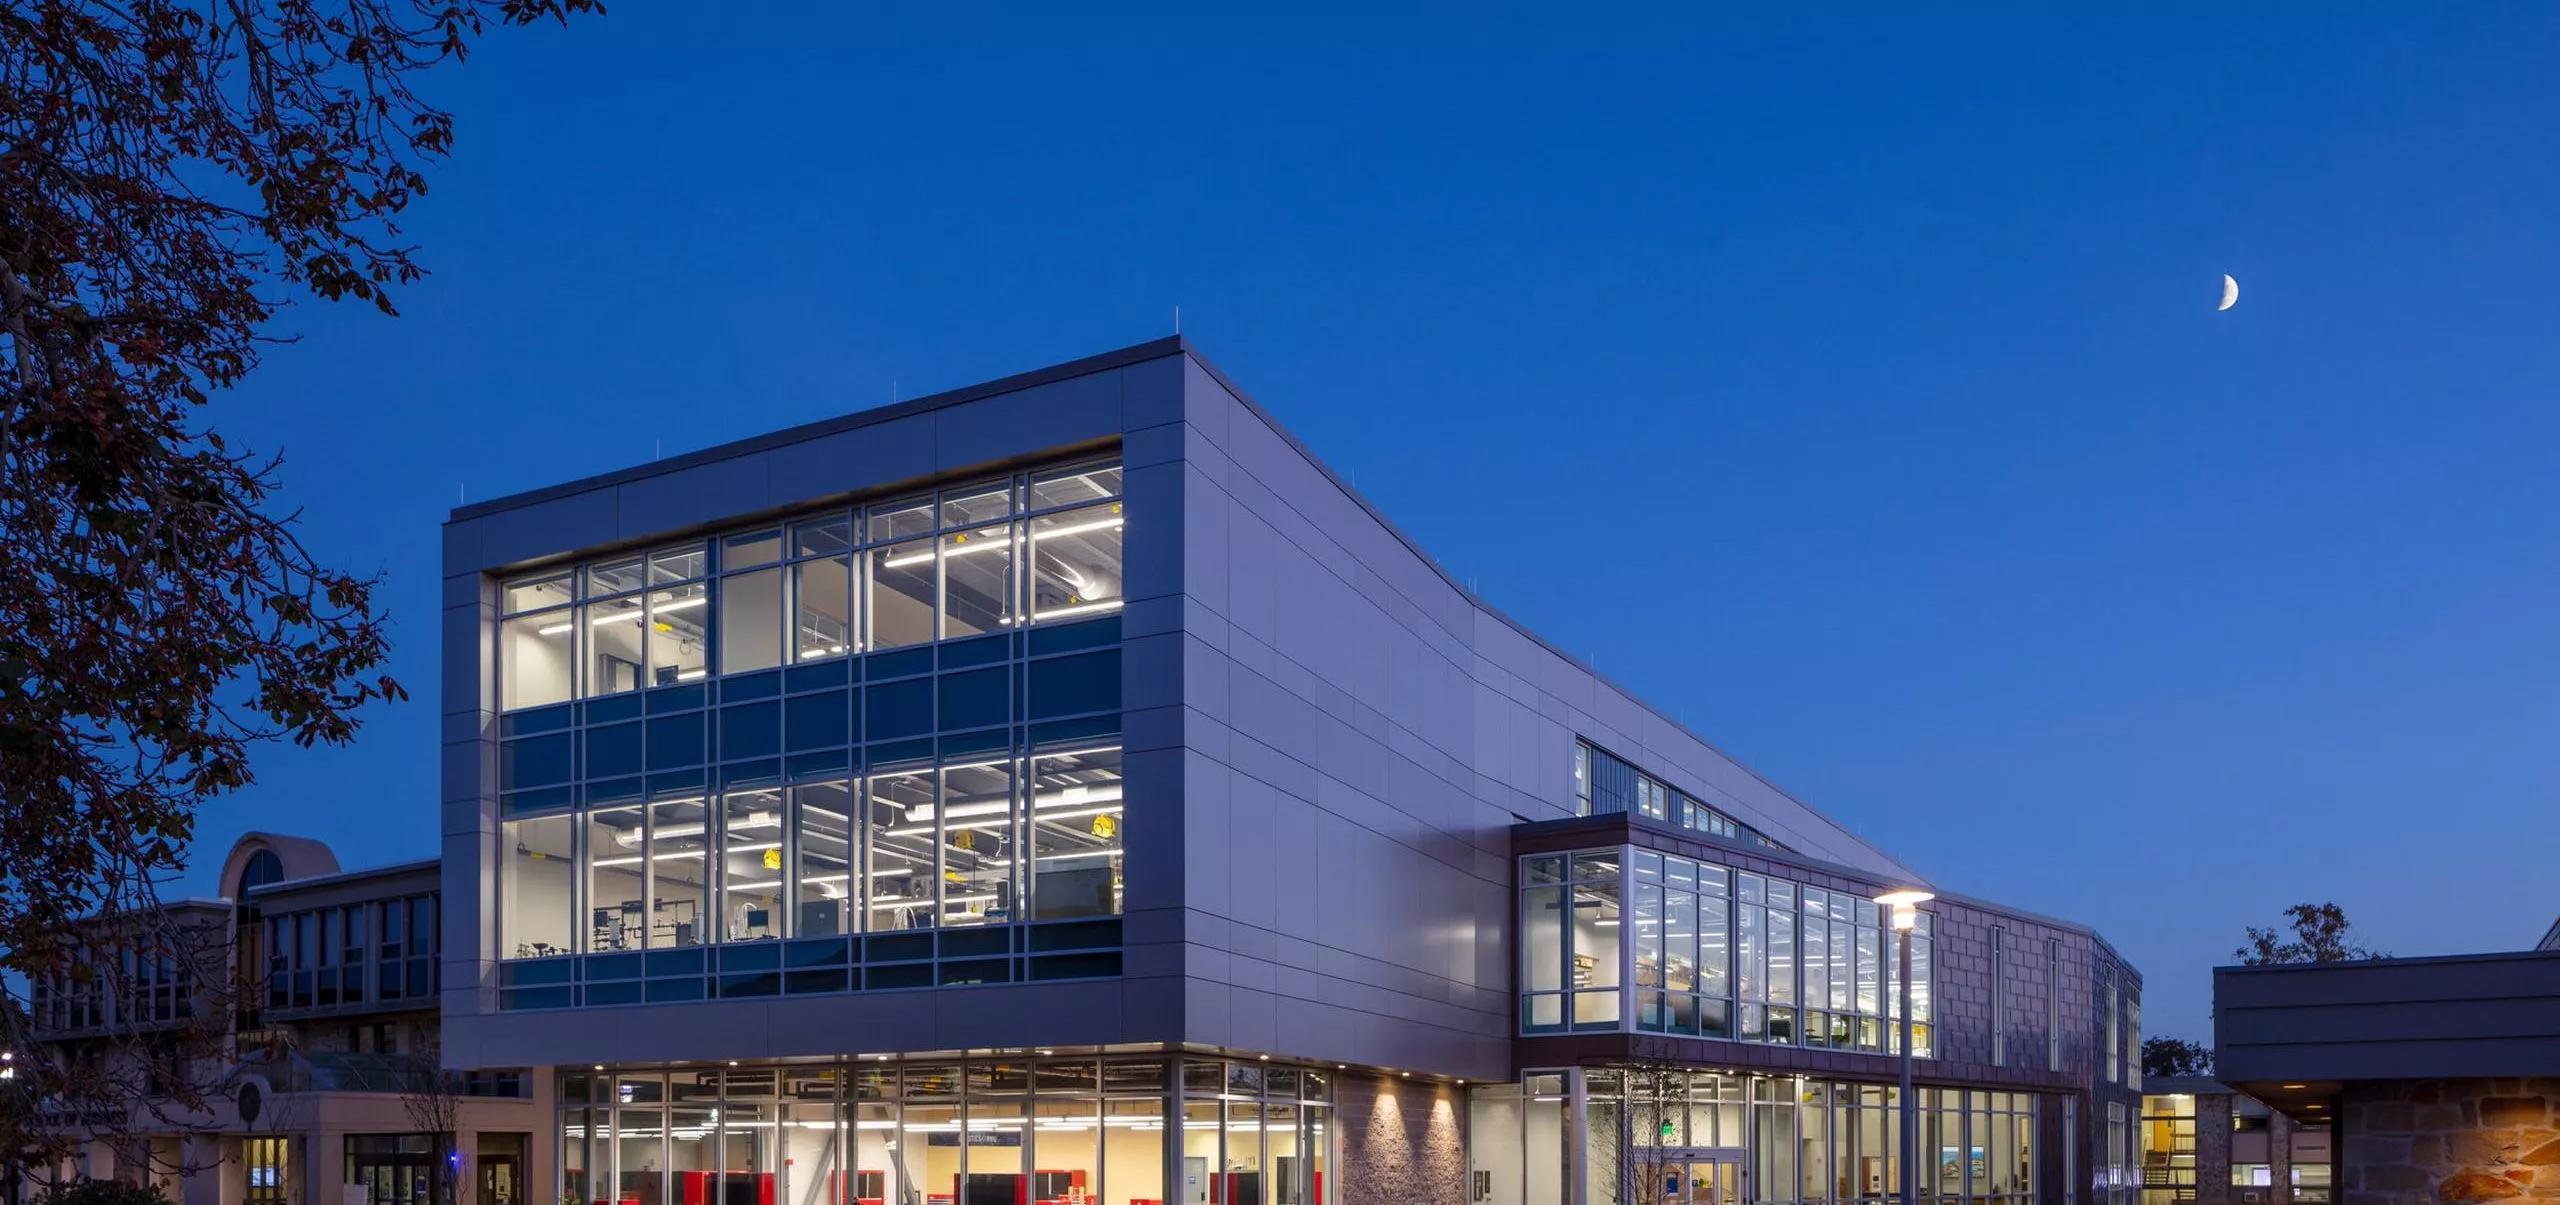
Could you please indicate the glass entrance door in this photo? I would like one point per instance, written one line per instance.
(1703, 1176)
(1715, 1183)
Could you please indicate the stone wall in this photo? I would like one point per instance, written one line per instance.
(2450, 1141)
(2280, 1130)
(2213, 1149)
(1403, 1141)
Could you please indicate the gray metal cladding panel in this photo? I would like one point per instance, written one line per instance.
(1076, 410)
(899, 450)
(2429, 1020)
(705, 493)
(2392, 980)
(1331, 599)
(1381, 732)
(2423, 1058)
(2390, 1018)
(1094, 1012)
(467, 635)
(583, 520)
(968, 430)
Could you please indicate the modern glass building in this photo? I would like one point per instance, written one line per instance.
(1067, 789)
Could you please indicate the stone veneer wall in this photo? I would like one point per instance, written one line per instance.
(2450, 1141)
(2213, 1149)
(2280, 1130)
(1403, 1141)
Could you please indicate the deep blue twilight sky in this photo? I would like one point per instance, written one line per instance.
(1851, 389)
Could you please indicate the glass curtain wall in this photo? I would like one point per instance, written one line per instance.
(1713, 951)
(833, 725)
(975, 558)
(1572, 941)
(1804, 1141)
(975, 839)
(1063, 1131)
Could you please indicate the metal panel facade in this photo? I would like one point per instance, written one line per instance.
(1332, 739)
(2393, 1018)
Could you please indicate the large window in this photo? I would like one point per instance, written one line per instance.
(970, 1133)
(130, 979)
(1572, 935)
(2168, 1149)
(538, 882)
(1803, 1140)
(926, 844)
(895, 718)
(1715, 952)
(337, 957)
(1074, 816)
(266, 1164)
(976, 558)
(901, 717)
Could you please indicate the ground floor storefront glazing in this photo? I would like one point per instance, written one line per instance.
(1126, 1130)
(1670, 1135)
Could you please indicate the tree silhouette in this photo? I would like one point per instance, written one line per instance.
(2320, 934)
(171, 172)
(2163, 1057)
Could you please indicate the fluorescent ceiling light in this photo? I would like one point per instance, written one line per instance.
(629, 838)
(995, 539)
(635, 859)
(1110, 604)
(1079, 813)
(1072, 529)
(991, 540)
(681, 604)
(925, 828)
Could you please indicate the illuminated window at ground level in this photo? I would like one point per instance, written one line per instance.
(991, 1132)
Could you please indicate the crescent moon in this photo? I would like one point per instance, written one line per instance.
(2230, 292)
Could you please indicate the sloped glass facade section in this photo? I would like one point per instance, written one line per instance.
(1622, 938)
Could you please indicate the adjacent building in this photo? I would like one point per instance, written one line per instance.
(287, 1055)
(1067, 789)
(2207, 1143)
(2440, 1076)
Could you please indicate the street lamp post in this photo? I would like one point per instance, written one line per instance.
(1904, 906)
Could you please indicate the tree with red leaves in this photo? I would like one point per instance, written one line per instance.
(172, 174)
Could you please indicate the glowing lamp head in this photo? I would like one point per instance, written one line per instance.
(1904, 904)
